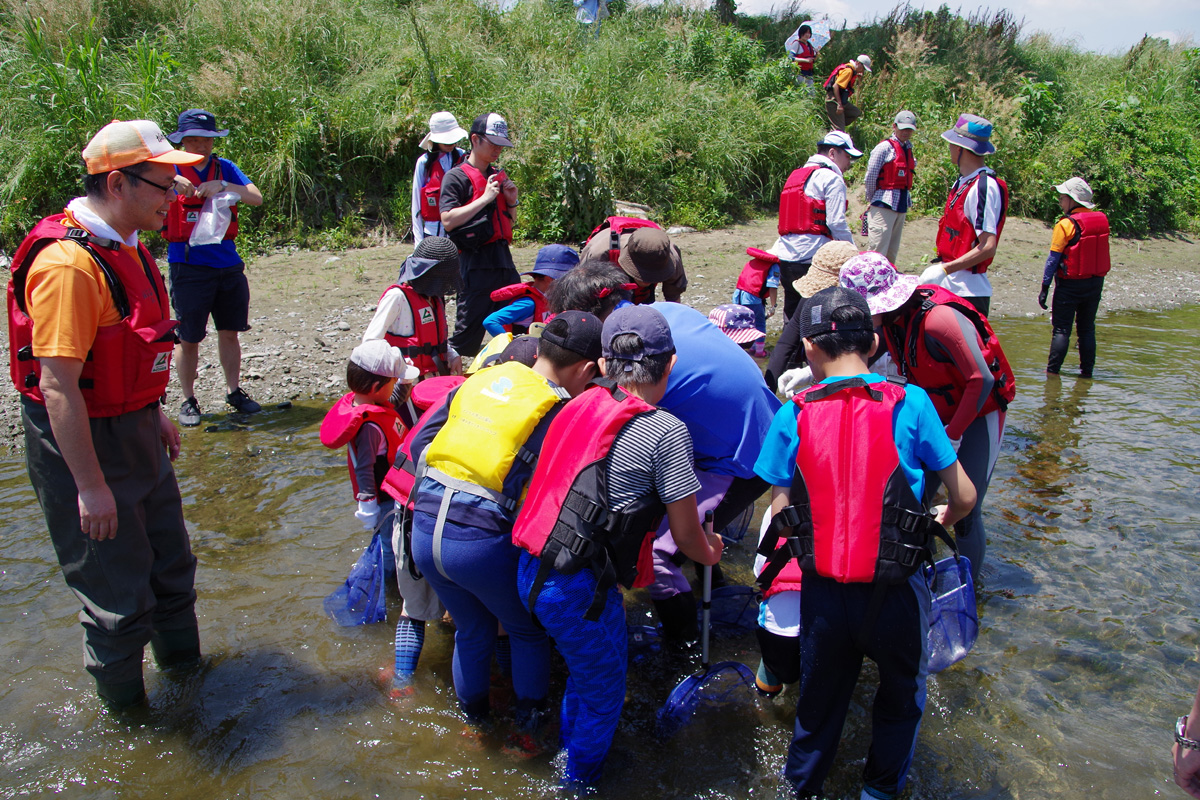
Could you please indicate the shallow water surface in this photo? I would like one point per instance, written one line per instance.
(1086, 654)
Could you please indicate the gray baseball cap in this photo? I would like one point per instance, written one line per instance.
(906, 119)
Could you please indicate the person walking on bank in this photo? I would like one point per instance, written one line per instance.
(1077, 264)
(973, 218)
(443, 155)
(838, 88)
(812, 211)
(477, 201)
(209, 279)
(803, 54)
(91, 337)
(888, 185)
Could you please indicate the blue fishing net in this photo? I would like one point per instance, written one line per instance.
(361, 599)
(717, 685)
(736, 530)
(734, 610)
(953, 619)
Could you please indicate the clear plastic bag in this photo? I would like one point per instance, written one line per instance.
(214, 220)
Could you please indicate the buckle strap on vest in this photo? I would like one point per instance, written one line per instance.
(427, 349)
(466, 487)
(443, 509)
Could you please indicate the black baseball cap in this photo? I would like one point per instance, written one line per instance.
(582, 334)
(816, 317)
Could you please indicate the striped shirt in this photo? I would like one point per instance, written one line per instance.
(651, 454)
(897, 200)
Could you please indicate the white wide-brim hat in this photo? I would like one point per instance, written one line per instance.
(443, 129)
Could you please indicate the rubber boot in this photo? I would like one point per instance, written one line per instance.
(177, 650)
(678, 617)
(120, 695)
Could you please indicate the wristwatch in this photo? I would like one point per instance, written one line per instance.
(224, 184)
(1180, 738)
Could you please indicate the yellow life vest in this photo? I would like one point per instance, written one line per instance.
(490, 418)
(494, 346)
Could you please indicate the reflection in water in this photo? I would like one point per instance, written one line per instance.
(1086, 654)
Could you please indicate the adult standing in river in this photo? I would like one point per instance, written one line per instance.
(477, 202)
(92, 338)
(973, 219)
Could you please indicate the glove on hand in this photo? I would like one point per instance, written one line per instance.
(368, 514)
(1042, 296)
(794, 380)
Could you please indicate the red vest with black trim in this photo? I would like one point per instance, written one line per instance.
(565, 520)
(617, 226)
(129, 364)
(184, 212)
(853, 76)
(1086, 255)
(428, 345)
(807, 53)
(799, 213)
(853, 515)
(942, 380)
(957, 228)
(431, 192)
(499, 213)
(897, 173)
(342, 423)
(507, 294)
(429, 396)
(754, 275)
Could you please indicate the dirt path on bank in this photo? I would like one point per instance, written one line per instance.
(308, 309)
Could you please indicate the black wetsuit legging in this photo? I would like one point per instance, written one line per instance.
(1076, 301)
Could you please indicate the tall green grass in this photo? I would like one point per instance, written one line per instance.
(327, 100)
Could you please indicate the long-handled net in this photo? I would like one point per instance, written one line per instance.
(715, 685)
(953, 618)
(362, 599)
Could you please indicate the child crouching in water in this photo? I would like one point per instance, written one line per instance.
(612, 464)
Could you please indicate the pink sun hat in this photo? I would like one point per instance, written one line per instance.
(873, 276)
(736, 322)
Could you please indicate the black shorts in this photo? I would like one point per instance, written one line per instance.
(781, 654)
(197, 292)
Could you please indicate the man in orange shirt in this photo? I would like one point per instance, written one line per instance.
(91, 340)
(838, 88)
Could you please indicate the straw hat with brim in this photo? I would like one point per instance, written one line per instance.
(972, 132)
(1078, 190)
(873, 276)
(443, 129)
(646, 256)
(433, 268)
(823, 272)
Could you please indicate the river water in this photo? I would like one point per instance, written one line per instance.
(1089, 630)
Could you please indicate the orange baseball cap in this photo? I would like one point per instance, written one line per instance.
(123, 144)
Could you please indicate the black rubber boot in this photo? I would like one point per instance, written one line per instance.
(678, 617)
(121, 695)
(176, 650)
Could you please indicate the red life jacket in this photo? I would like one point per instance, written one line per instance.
(799, 213)
(617, 226)
(957, 228)
(428, 345)
(1087, 254)
(565, 520)
(498, 212)
(806, 53)
(342, 422)
(184, 212)
(853, 514)
(853, 76)
(129, 365)
(507, 294)
(429, 396)
(431, 192)
(897, 173)
(942, 379)
(754, 274)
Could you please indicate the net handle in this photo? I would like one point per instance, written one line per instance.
(706, 614)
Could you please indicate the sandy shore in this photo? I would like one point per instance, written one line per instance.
(308, 309)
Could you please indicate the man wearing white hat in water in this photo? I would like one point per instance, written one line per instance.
(443, 155)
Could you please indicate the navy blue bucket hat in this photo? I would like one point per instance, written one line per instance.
(196, 122)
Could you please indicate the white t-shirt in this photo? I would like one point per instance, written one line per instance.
(779, 613)
(829, 185)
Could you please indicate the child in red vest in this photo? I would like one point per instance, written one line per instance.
(758, 282)
(528, 300)
(367, 424)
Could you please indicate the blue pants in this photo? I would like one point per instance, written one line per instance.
(479, 588)
(596, 658)
(831, 621)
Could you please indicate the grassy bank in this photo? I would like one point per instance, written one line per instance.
(327, 100)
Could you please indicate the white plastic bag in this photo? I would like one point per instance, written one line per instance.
(214, 219)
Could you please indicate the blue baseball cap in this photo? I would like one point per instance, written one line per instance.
(648, 323)
(196, 122)
(554, 261)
